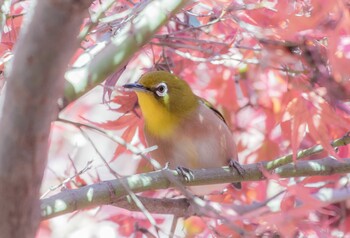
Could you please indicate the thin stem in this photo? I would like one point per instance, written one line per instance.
(305, 153)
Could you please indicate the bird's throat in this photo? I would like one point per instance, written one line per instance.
(158, 120)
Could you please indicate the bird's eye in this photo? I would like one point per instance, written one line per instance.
(161, 89)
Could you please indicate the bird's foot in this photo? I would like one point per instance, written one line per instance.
(185, 173)
(241, 171)
(235, 165)
(237, 185)
(166, 166)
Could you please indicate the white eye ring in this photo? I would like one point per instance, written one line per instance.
(161, 89)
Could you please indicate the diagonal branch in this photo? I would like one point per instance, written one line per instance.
(182, 207)
(123, 46)
(345, 140)
(107, 192)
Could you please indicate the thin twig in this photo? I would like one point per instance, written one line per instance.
(95, 18)
(198, 41)
(307, 152)
(125, 186)
(184, 46)
(217, 60)
(191, 28)
(64, 182)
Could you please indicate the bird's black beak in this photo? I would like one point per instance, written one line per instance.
(136, 87)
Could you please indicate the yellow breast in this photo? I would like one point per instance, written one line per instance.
(158, 120)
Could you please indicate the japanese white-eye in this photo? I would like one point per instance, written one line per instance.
(188, 131)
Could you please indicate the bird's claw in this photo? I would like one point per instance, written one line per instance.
(235, 165)
(241, 171)
(185, 173)
(166, 166)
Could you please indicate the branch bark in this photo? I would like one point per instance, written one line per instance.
(109, 192)
(35, 82)
(4, 8)
(122, 47)
(182, 207)
(179, 207)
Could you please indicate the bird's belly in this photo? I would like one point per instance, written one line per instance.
(203, 151)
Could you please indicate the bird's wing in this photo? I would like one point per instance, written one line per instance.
(210, 106)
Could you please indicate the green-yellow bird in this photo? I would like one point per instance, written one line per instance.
(189, 133)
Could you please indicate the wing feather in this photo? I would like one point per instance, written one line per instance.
(211, 107)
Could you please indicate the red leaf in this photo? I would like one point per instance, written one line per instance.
(194, 226)
(298, 114)
(319, 132)
(226, 231)
(288, 202)
(80, 182)
(329, 116)
(268, 150)
(128, 224)
(343, 151)
(127, 135)
(127, 102)
(120, 123)
(44, 229)
(111, 82)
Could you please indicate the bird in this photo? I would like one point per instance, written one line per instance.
(189, 132)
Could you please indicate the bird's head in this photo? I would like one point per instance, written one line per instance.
(164, 91)
(165, 100)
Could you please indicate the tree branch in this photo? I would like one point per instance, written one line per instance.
(4, 10)
(108, 192)
(123, 46)
(345, 140)
(33, 88)
(181, 207)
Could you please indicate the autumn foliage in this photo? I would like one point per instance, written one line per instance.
(277, 70)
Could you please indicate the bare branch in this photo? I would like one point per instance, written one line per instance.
(131, 194)
(180, 207)
(108, 192)
(4, 10)
(123, 46)
(67, 180)
(345, 140)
